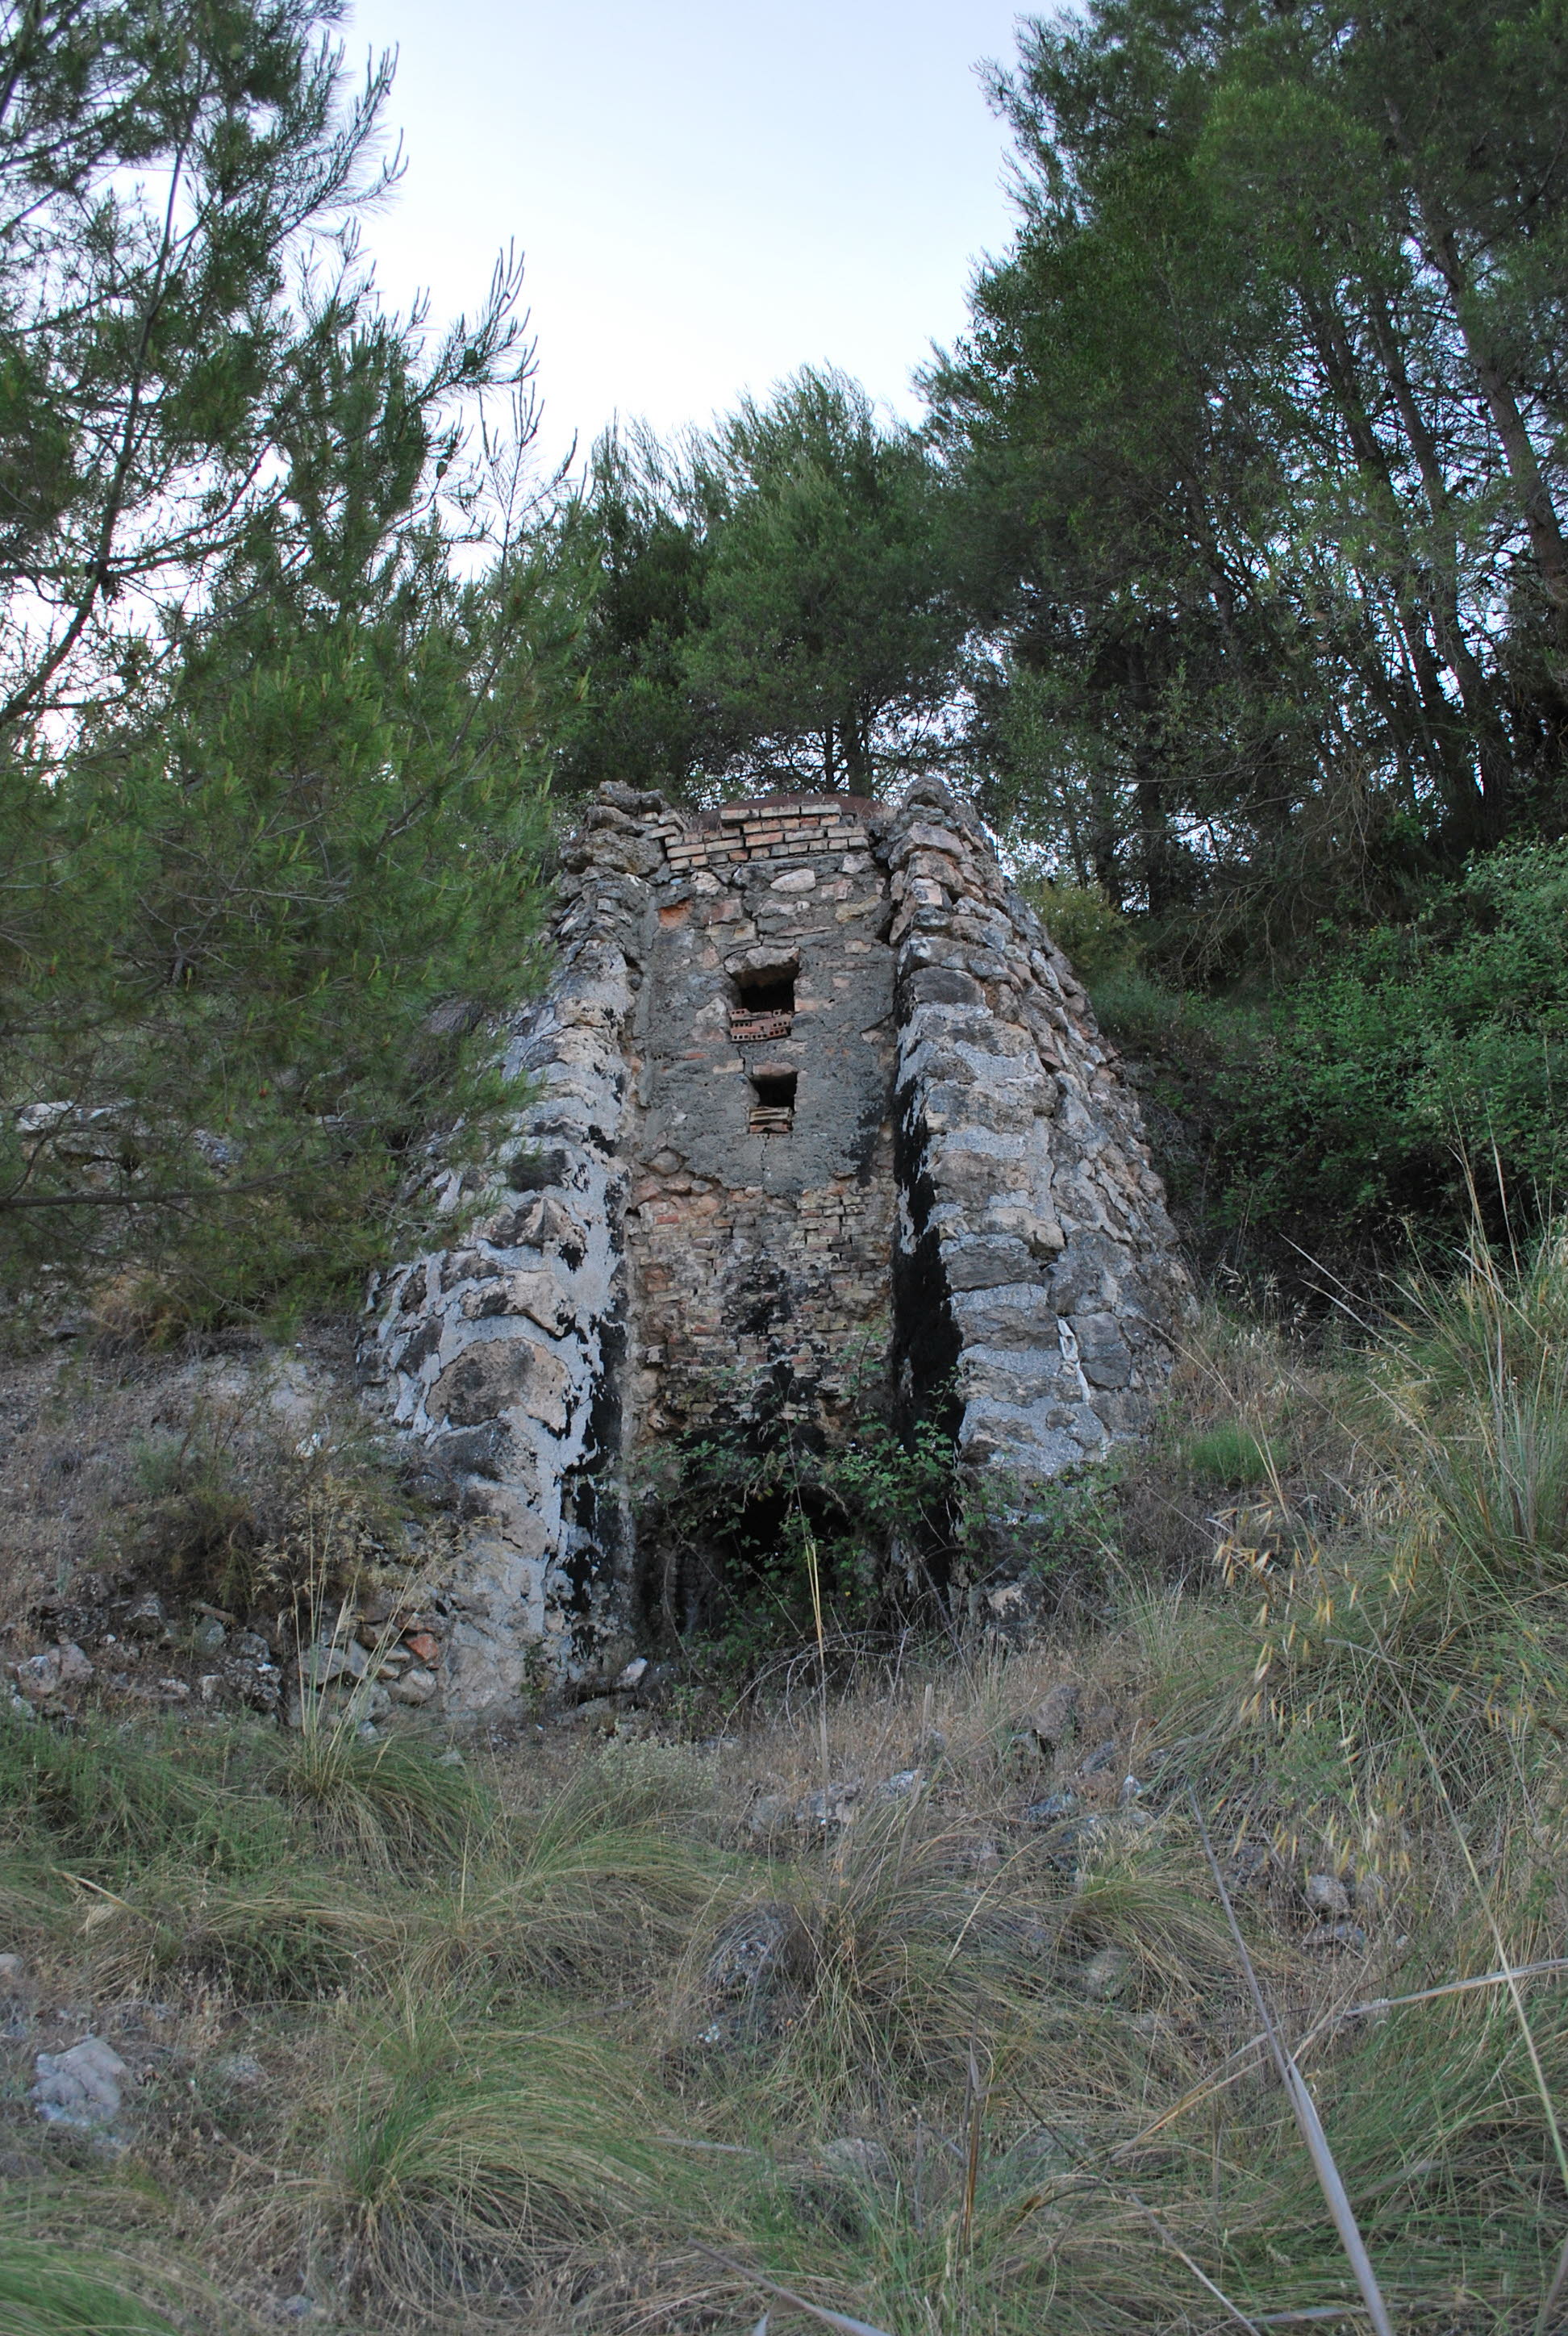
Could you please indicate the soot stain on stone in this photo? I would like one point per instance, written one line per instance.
(536, 1172)
(927, 1342)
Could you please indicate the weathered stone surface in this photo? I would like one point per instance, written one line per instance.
(759, 1950)
(1327, 1895)
(1334, 1937)
(1106, 1975)
(819, 1117)
(415, 1685)
(497, 1375)
(1055, 1718)
(474, 1389)
(1102, 1351)
(980, 1263)
(932, 985)
(42, 1677)
(83, 2087)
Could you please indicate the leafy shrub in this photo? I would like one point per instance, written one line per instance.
(750, 1509)
(1139, 1011)
(1089, 929)
(1180, 1025)
(1418, 1049)
(1056, 1536)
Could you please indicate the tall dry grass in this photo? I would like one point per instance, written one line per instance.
(999, 2068)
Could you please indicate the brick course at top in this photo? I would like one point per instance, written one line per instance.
(924, 1174)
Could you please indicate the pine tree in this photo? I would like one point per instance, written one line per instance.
(771, 602)
(833, 633)
(271, 808)
(1259, 429)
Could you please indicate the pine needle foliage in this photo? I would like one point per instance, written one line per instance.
(270, 816)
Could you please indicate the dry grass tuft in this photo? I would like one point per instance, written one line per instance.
(599, 1886)
(392, 1799)
(462, 2143)
(57, 2277)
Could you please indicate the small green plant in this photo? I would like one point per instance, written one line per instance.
(1141, 1012)
(1059, 1536)
(1227, 1458)
(196, 1525)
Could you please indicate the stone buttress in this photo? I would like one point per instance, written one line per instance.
(821, 1117)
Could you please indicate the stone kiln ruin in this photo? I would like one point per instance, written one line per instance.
(819, 1108)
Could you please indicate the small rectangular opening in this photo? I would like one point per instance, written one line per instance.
(773, 1107)
(772, 992)
(765, 1004)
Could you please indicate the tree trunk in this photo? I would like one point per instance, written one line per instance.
(1475, 692)
(856, 756)
(1454, 764)
(1440, 244)
(1149, 793)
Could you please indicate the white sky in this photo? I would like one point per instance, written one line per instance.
(707, 195)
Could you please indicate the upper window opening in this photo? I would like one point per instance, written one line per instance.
(773, 1107)
(772, 992)
(765, 1003)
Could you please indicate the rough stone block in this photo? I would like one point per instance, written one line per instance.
(935, 985)
(1009, 1316)
(1042, 1236)
(1102, 1351)
(536, 1168)
(500, 1375)
(987, 1263)
(489, 1452)
(537, 1295)
(923, 837)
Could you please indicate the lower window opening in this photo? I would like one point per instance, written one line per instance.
(773, 1110)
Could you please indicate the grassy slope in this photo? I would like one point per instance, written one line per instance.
(448, 2047)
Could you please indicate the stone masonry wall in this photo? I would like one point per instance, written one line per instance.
(819, 1108)
(1037, 1255)
(759, 1263)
